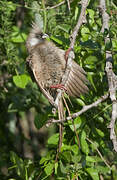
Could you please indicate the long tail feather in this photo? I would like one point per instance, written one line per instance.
(61, 114)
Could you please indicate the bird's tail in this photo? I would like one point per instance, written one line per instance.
(61, 114)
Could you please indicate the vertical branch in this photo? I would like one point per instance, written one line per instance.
(81, 20)
(112, 78)
(68, 3)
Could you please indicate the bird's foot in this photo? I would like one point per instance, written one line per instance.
(67, 53)
(58, 86)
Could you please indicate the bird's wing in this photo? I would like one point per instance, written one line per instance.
(35, 74)
(76, 80)
(46, 94)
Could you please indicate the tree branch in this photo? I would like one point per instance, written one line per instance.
(84, 109)
(81, 20)
(71, 54)
(112, 78)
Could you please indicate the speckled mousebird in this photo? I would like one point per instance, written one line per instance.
(48, 64)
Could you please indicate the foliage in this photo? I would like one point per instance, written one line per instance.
(30, 154)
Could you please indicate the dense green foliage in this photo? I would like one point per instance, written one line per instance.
(25, 152)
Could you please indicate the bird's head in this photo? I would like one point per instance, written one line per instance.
(36, 36)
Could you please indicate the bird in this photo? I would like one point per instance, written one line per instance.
(50, 67)
(48, 64)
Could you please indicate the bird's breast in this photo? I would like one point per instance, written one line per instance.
(49, 64)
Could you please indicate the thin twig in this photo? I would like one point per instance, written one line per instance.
(68, 3)
(81, 20)
(57, 5)
(84, 109)
(78, 141)
(47, 8)
(112, 78)
(99, 153)
(73, 36)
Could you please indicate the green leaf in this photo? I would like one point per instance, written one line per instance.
(91, 13)
(99, 132)
(90, 77)
(21, 80)
(91, 60)
(56, 167)
(108, 45)
(93, 159)
(20, 168)
(53, 140)
(84, 145)
(56, 40)
(91, 16)
(66, 155)
(63, 168)
(114, 44)
(74, 149)
(76, 13)
(93, 173)
(85, 30)
(18, 37)
(85, 33)
(80, 102)
(94, 145)
(103, 169)
(49, 168)
(76, 158)
(40, 120)
(45, 158)
(65, 147)
(64, 27)
(11, 6)
(77, 123)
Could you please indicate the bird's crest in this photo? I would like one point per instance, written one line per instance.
(35, 28)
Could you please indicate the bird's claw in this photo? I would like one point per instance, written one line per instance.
(58, 86)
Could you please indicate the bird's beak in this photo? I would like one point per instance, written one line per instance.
(45, 36)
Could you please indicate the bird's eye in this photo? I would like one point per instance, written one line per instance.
(39, 36)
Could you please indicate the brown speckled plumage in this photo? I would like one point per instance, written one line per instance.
(48, 65)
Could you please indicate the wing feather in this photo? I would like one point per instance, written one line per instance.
(76, 81)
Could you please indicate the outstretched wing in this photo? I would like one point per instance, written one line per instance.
(76, 80)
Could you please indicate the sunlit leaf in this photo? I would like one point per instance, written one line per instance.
(99, 132)
(53, 140)
(21, 80)
(93, 173)
(84, 145)
(63, 168)
(49, 168)
(56, 40)
(18, 37)
(64, 27)
(93, 159)
(77, 123)
(56, 167)
(80, 102)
